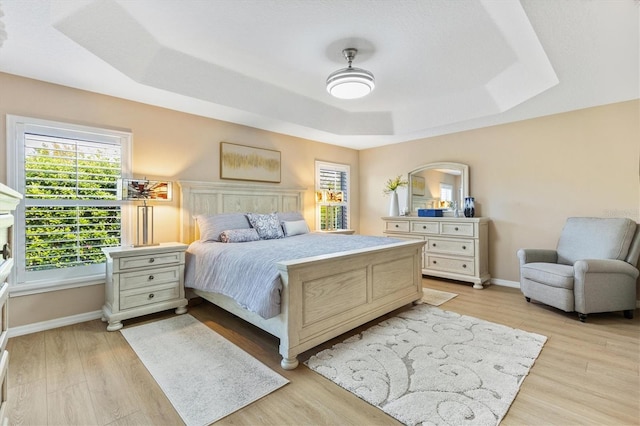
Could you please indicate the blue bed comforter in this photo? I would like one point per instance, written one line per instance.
(247, 272)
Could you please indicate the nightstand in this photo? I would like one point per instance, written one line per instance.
(143, 280)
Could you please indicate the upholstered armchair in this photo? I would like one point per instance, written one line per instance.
(593, 269)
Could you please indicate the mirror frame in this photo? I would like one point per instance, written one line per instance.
(464, 172)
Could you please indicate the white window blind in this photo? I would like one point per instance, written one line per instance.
(68, 175)
(335, 177)
(66, 183)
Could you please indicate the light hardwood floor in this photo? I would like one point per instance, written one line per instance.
(587, 373)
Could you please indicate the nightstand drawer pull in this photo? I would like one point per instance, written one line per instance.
(434, 244)
(397, 226)
(456, 228)
(151, 260)
(151, 295)
(150, 278)
(464, 247)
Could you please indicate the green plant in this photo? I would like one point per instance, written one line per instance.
(395, 183)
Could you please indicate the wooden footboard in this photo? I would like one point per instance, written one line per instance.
(326, 296)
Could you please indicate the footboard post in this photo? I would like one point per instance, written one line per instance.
(288, 337)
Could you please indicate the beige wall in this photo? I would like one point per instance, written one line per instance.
(527, 177)
(165, 144)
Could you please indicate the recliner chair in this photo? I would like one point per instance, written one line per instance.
(593, 269)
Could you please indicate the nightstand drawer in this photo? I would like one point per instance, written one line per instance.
(457, 228)
(453, 246)
(159, 259)
(445, 264)
(149, 277)
(149, 295)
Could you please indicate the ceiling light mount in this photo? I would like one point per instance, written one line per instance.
(350, 82)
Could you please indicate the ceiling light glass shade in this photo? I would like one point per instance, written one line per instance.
(350, 83)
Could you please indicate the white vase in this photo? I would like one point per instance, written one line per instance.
(394, 208)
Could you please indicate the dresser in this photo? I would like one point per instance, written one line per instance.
(143, 280)
(9, 200)
(456, 248)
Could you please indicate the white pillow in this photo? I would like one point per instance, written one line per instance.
(211, 227)
(296, 227)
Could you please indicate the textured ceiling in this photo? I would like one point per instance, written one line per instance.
(441, 66)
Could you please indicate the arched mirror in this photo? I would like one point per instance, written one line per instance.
(440, 185)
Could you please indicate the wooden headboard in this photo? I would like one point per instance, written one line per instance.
(223, 197)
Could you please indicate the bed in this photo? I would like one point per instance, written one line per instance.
(321, 296)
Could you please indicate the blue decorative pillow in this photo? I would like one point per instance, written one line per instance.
(239, 235)
(267, 225)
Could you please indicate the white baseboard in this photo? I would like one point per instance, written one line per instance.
(505, 283)
(54, 323)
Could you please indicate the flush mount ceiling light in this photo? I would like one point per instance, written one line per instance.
(350, 83)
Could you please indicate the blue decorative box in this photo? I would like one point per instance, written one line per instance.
(430, 212)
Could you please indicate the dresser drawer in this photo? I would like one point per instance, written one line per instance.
(132, 262)
(149, 277)
(459, 229)
(453, 246)
(149, 295)
(425, 227)
(446, 264)
(397, 226)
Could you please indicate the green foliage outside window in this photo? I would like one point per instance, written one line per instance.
(67, 219)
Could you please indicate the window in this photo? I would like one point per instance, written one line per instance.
(332, 209)
(68, 175)
(446, 192)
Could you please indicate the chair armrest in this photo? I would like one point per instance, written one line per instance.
(609, 266)
(537, 255)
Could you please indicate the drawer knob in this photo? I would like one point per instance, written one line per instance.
(434, 262)
(434, 244)
(464, 247)
(424, 226)
(151, 295)
(397, 226)
(464, 265)
(150, 277)
(152, 260)
(456, 228)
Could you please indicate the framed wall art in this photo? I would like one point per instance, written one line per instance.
(240, 162)
(417, 185)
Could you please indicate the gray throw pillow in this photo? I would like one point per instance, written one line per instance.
(267, 225)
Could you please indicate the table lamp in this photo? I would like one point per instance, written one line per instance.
(143, 189)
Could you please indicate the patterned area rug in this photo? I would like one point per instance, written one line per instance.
(205, 376)
(436, 297)
(434, 367)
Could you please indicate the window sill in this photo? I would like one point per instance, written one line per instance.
(44, 286)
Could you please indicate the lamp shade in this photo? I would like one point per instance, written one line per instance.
(142, 189)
